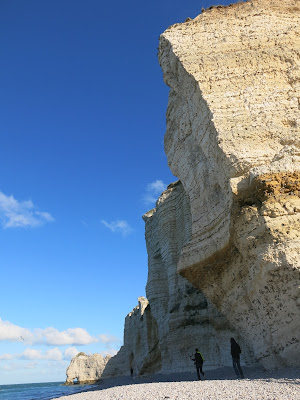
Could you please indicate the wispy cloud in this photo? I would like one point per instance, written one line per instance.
(54, 354)
(110, 342)
(112, 352)
(49, 336)
(70, 352)
(32, 354)
(153, 190)
(118, 226)
(10, 366)
(6, 356)
(51, 355)
(31, 365)
(52, 336)
(15, 214)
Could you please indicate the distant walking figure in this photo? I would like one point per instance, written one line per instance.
(198, 361)
(235, 353)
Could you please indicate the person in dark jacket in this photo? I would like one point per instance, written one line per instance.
(198, 361)
(235, 353)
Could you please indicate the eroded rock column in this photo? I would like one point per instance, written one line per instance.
(186, 319)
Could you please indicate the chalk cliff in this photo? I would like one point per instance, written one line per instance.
(185, 317)
(233, 141)
(224, 242)
(162, 332)
(140, 352)
(86, 369)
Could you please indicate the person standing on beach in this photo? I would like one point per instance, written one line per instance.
(235, 353)
(198, 361)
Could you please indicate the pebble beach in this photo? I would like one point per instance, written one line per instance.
(218, 384)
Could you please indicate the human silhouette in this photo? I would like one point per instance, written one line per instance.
(235, 353)
(198, 361)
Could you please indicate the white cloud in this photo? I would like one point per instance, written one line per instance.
(53, 354)
(110, 342)
(50, 355)
(104, 338)
(49, 336)
(52, 336)
(14, 333)
(153, 190)
(111, 352)
(15, 214)
(70, 352)
(31, 354)
(6, 356)
(119, 226)
(157, 186)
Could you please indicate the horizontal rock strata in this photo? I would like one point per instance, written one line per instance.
(140, 352)
(233, 141)
(185, 317)
(223, 242)
(162, 332)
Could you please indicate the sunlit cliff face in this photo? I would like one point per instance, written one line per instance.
(233, 140)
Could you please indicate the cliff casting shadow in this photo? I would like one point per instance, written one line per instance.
(283, 376)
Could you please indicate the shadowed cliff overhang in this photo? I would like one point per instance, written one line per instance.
(233, 110)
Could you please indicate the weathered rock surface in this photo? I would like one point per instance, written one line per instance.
(86, 369)
(231, 226)
(233, 141)
(185, 318)
(140, 353)
(161, 333)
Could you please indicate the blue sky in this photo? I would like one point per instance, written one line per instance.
(82, 122)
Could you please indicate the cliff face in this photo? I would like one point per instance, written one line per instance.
(140, 353)
(185, 317)
(86, 369)
(233, 141)
(162, 332)
(223, 243)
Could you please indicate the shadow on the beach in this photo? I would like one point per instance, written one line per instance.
(285, 376)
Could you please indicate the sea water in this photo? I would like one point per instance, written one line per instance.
(40, 391)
